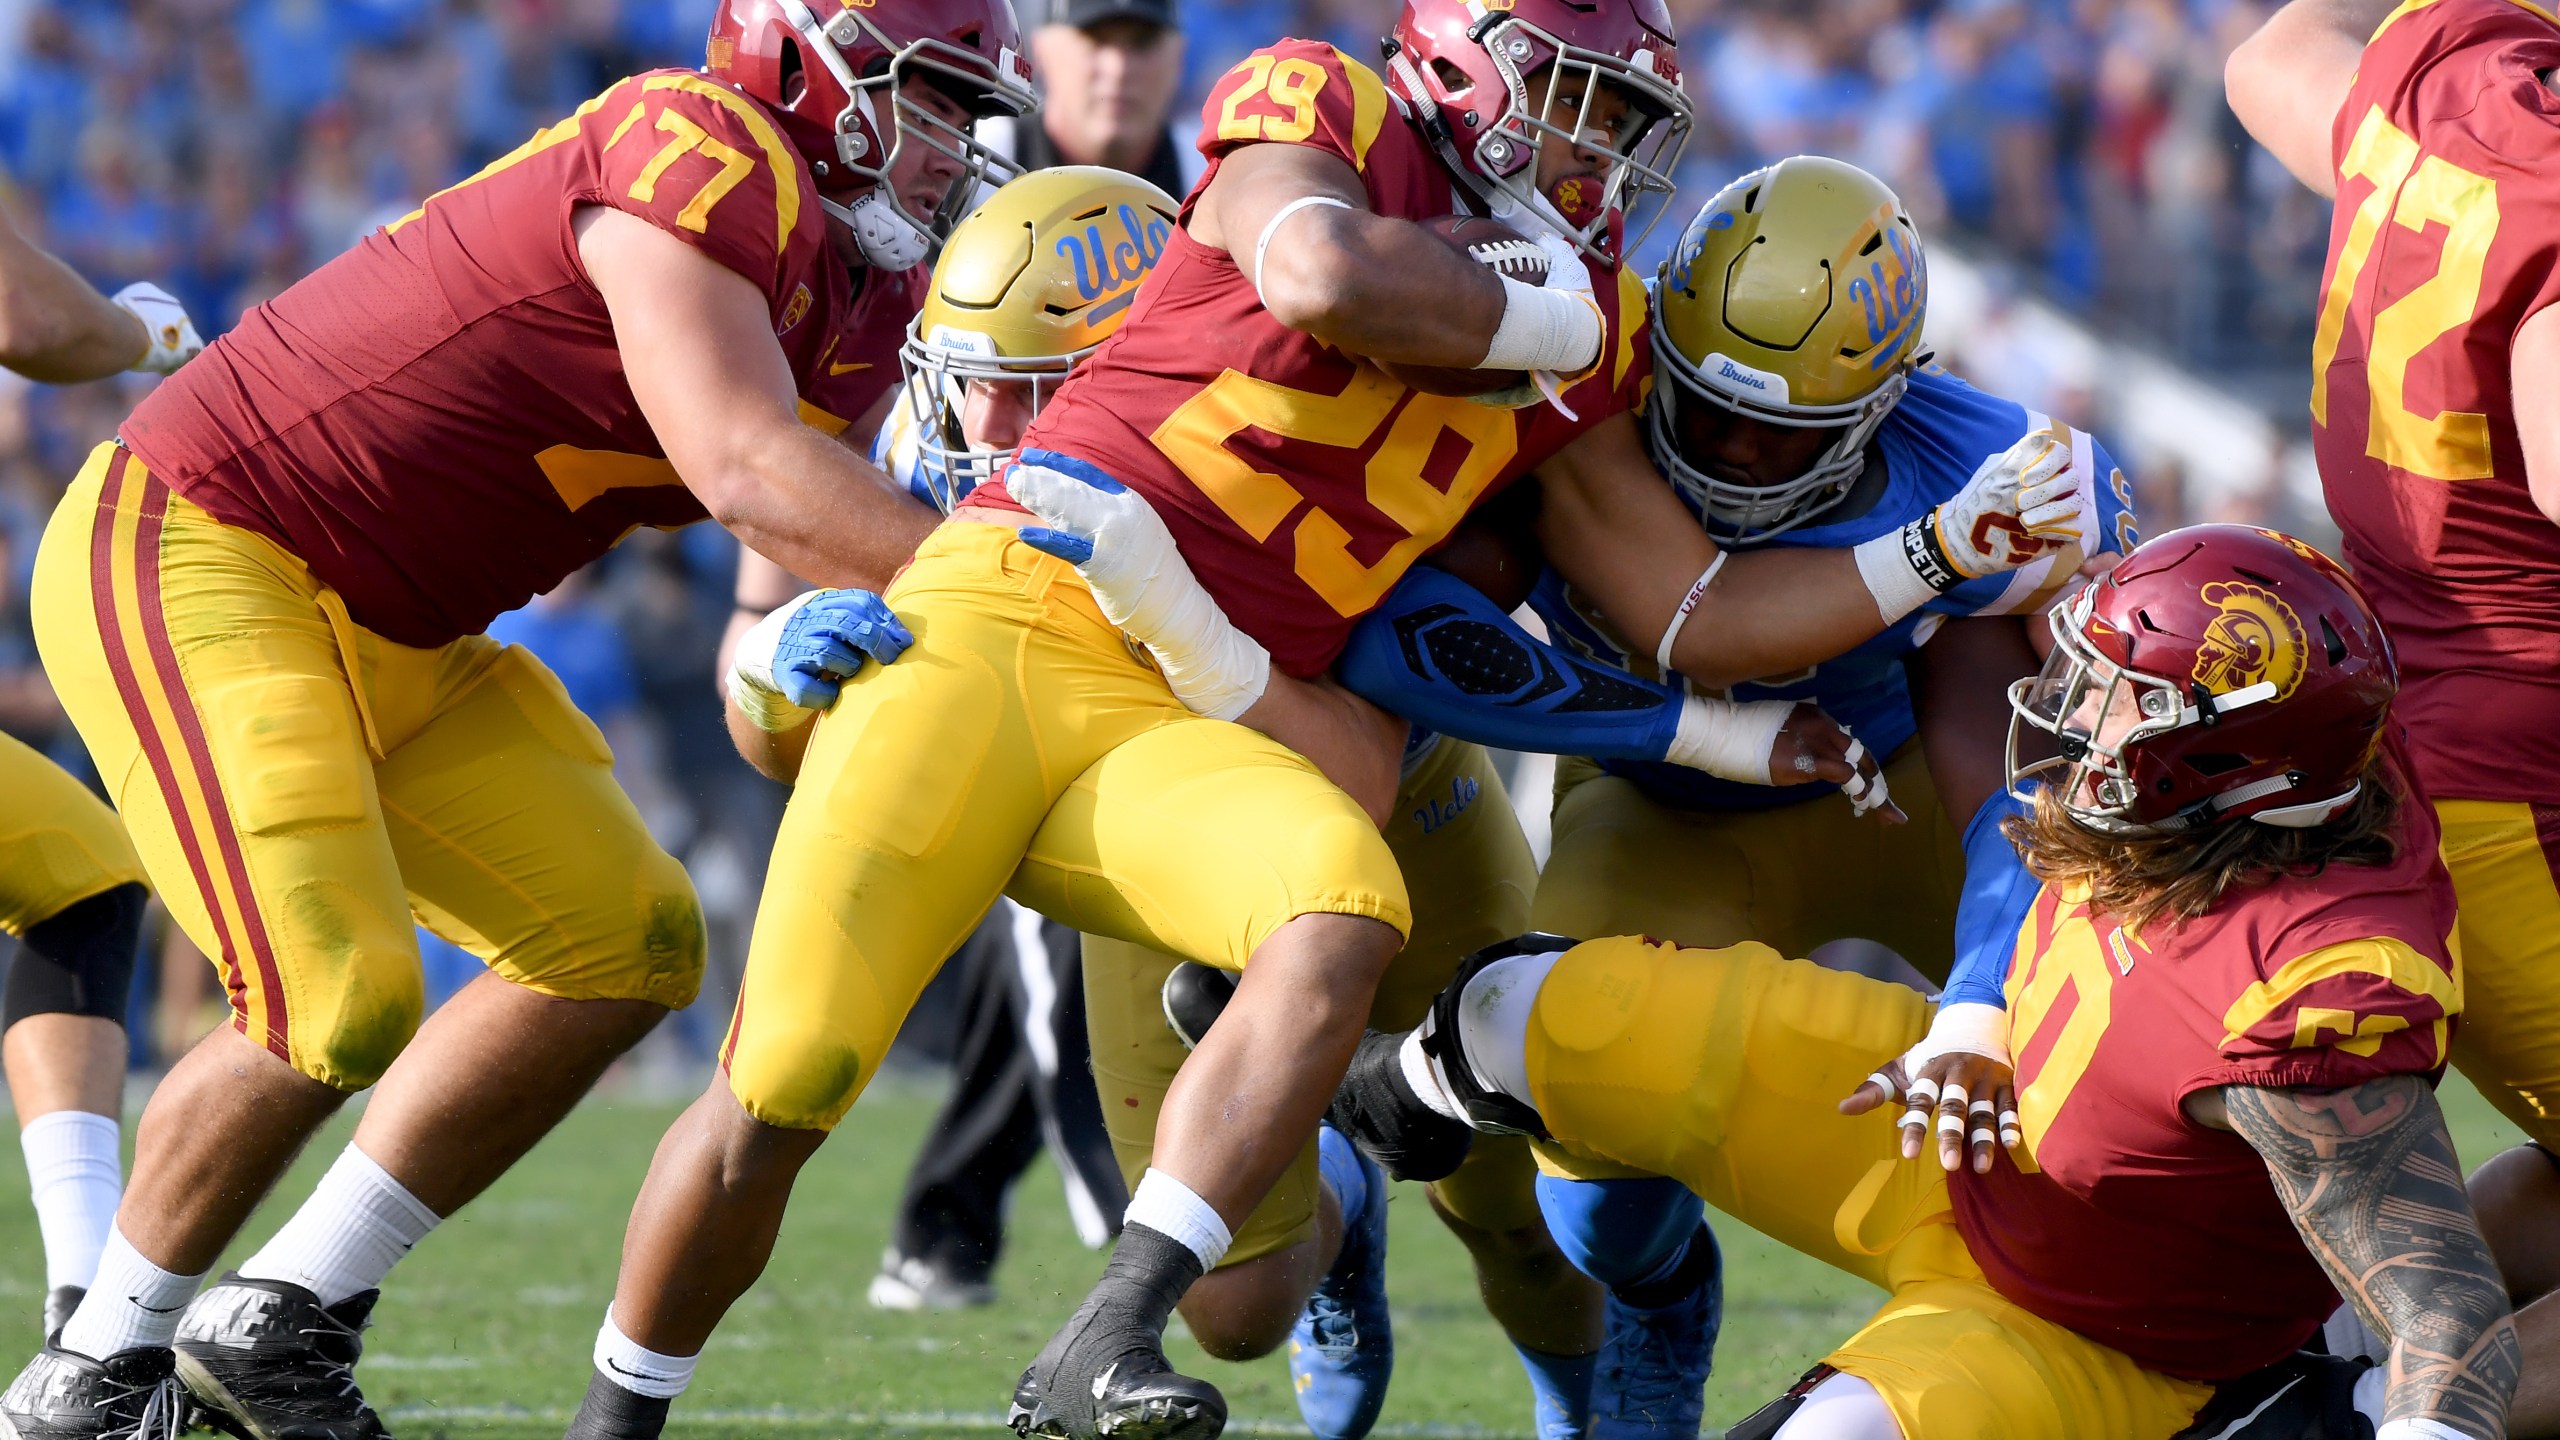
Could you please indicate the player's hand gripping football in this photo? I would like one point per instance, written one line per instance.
(2023, 502)
(1957, 1081)
(1780, 742)
(794, 661)
(1120, 545)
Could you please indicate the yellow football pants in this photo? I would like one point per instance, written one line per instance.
(300, 787)
(1791, 878)
(1019, 741)
(2501, 854)
(1722, 1069)
(59, 844)
(1468, 868)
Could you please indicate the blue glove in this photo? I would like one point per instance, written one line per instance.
(795, 660)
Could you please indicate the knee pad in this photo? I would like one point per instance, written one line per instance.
(1444, 1040)
(1619, 1231)
(78, 960)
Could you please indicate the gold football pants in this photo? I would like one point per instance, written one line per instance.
(2501, 855)
(59, 844)
(300, 788)
(1468, 868)
(1019, 746)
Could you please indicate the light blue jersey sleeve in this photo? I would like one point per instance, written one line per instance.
(1997, 894)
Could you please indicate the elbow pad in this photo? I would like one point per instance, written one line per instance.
(1441, 654)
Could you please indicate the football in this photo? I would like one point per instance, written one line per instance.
(1505, 252)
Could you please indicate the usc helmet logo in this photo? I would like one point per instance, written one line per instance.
(2254, 637)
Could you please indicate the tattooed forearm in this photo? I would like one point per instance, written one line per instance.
(2370, 1176)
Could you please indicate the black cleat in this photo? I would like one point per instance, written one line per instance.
(1195, 995)
(59, 1305)
(1377, 1110)
(612, 1413)
(1104, 1376)
(131, 1395)
(265, 1361)
(2305, 1396)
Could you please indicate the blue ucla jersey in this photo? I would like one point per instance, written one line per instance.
(1940, 433)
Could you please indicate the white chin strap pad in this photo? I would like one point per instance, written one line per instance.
(887, 238)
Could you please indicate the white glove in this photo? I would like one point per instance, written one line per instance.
(2018, 505)
(174, 341)
(1120, 545)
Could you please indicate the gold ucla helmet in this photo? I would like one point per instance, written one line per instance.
(1027, 286)
(1794, 298)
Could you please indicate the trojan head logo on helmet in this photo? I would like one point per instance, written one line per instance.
(1027, 286)
(837, 70)
(1794, 299)
(2219, 672)
(1490, 81)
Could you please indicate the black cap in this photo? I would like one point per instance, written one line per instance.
(1085, 14)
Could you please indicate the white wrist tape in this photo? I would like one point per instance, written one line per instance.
(1543, 329)
(1271, 227)
(2419, 1427)
(1896, 586)
(1680, 617)
(1968, 1026)
(1728, 740)
(1169, 1207)
(1214, 668)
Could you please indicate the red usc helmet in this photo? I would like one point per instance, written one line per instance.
(1483, 78)
(838, 67)
(2219, 672)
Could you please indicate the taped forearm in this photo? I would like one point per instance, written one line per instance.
(1441, 654)
(1997, 894)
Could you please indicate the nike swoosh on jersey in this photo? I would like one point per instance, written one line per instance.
(848, 368)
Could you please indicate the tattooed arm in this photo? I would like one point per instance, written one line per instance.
(2370, 1177)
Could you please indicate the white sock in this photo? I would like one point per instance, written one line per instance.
(1169, 1207)
(131, 1303)
(75, 1172)
(638, 1369)
(348, 1235)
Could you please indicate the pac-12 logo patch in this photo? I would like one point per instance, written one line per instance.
(794, 310)
(2254, 638)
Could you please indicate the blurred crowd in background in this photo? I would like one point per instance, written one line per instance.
(2079, 148)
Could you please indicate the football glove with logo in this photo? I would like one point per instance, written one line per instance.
(1120, 545)
(793, 662)
(174, 340)
(2019, 504)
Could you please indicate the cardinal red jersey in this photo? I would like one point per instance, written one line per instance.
(437, 421)
(2446, 237)
(2137, 1226)
(1301, 482)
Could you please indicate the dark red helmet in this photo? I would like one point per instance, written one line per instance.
(836, 68)
(2219, 672)
(1482, 81)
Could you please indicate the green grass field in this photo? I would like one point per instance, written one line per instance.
(485, 1332)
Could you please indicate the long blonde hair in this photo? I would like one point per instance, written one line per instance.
(2139, 879)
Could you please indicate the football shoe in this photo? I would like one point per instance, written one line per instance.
(1342, 1350)
(1195, 995)
(2305, 1396)
(911, 1282)
(59, 1305)
(266, 1361)
(609, 1412)
(131, 1395)
(1651, 1378)
(1104, 1374)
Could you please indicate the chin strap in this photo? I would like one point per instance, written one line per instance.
(887, 238)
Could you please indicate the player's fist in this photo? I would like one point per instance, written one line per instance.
(2021, 503)
(173, 338)
(1139, 579)
(1778, 742)
(794, 662)
(1957, 1081)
